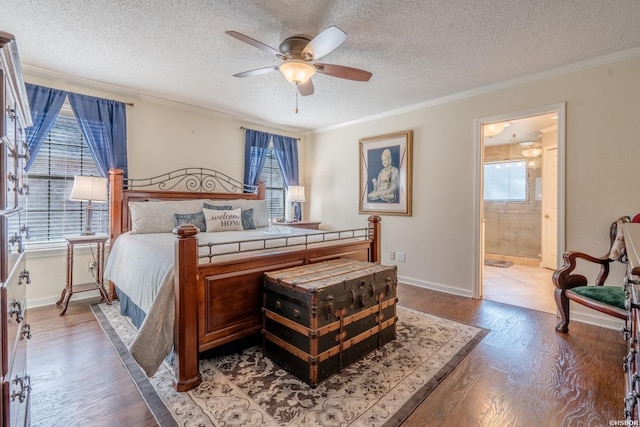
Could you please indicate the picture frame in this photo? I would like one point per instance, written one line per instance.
(386, 174)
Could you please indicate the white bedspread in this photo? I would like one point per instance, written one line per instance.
(141, 266)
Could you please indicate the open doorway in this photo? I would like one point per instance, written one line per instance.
(520, 206)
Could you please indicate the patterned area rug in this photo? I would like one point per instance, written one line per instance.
(248, 389)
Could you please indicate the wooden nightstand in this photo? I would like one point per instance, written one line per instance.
(70, 288)
(310, 225)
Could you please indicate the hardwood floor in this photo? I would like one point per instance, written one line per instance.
(522, 374)
(77, 377)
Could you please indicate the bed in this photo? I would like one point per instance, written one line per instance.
(213, 290)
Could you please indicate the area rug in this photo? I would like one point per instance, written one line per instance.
(248, 389)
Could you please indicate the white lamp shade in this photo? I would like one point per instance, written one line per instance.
(296, 71)
(92, 188)
(296, 193)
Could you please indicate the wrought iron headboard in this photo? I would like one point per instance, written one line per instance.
(180, 184)
(200, 180)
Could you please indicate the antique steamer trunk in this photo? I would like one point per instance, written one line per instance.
(320, 318)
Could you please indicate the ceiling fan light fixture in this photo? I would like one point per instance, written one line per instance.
(296, 71)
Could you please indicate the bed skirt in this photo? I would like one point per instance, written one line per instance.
(130, 309)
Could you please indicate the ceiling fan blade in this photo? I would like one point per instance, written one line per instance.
(306, 89)
(343, 72)
(256, 43)
(323, 43)
(256, 72)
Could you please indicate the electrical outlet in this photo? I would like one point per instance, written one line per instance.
(92, 266)
(401, 256)
(392, 256)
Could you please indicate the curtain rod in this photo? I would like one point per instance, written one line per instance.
(129, 104)
(244, 128)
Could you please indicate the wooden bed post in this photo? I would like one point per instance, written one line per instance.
(116, 182)
(262, 190)
(186, 372)
(374, 235)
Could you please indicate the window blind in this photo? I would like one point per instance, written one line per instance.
(275, 188)
(49, 213)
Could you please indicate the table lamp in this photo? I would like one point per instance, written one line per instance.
(89, 189)
(296, 196)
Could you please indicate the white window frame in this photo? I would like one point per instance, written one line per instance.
(517, 188)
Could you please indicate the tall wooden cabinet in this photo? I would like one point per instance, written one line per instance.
(14, 327)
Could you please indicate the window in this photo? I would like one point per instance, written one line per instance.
(50, 215)
(505, 181)
(275, 188)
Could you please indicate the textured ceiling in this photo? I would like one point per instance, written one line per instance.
(417, 50)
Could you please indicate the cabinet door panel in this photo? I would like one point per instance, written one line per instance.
(17, 331)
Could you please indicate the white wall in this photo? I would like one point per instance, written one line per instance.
(602, 152)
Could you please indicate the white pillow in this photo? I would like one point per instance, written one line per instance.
(157, 217)
(223, 220)
(617, 249)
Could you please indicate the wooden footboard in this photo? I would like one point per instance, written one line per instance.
(229, 294)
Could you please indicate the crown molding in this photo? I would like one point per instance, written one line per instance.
(555, 72)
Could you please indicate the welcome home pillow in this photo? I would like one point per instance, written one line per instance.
(245, 214)
(217, 220)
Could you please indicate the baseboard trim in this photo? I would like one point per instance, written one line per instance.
(51, 300)
(594, 319)
(435, 286)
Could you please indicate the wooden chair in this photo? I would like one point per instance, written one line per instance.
(593, 294)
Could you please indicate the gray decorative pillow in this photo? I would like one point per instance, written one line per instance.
(216, 207)
(196, 219)
(247, 219)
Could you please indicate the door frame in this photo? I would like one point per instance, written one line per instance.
(547, 260)
(478, 229)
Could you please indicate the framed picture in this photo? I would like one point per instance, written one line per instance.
(385, 174)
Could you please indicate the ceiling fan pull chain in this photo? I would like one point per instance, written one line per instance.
(296, 98)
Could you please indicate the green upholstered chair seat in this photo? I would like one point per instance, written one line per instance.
(610, 295)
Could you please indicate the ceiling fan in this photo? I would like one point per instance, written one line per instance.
(297, 54)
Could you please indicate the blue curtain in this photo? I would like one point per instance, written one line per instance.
(45, 105)
(103, 123)
(256, 147)
(286, 149)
